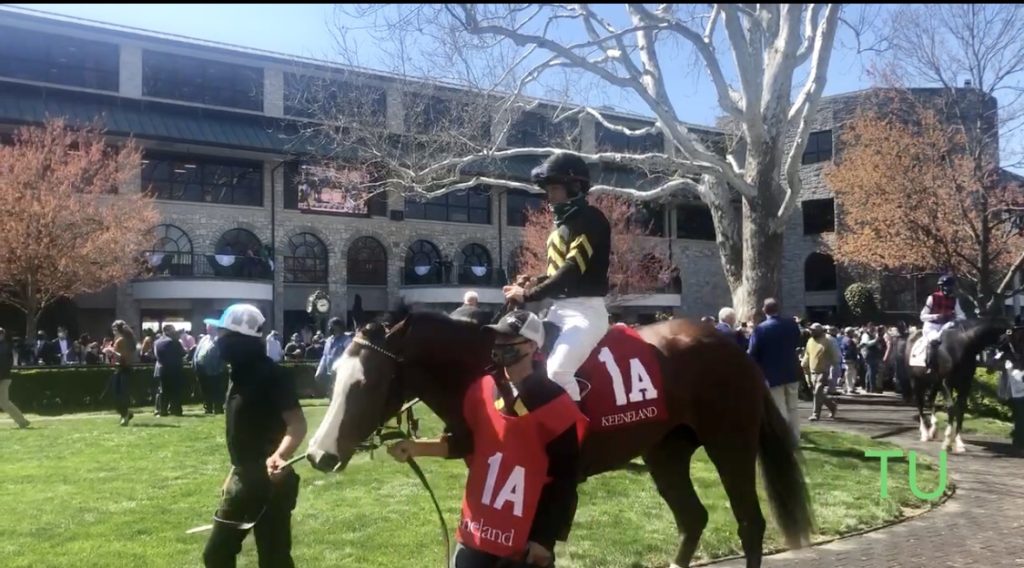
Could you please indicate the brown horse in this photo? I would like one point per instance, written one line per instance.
(715, 397)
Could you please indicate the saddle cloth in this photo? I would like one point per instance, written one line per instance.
(919, 352)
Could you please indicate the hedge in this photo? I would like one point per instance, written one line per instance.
(60, 390)
(983, 401)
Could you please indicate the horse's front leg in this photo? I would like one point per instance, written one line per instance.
(919, 398)
(962, 395)
(947, 439)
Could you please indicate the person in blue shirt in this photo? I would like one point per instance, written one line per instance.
(773, 345)
(333, 348)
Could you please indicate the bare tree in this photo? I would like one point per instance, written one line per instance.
(768, 84)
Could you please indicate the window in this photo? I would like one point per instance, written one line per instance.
(308, 96)
(423, 264)
(306, 260)
(649, 218)
(172, 251)
(194, 80)
(367, 263)
(518, 204)
(466, 206)
(693, 221)
(475, 265)
(611, 141)
(819, 216)
(203, 180)
(36, 56)
(531, 129)
(429, 114)
(819, 147)
(237, 242)
(819, 273)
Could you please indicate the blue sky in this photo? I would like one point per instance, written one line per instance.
(301, 29)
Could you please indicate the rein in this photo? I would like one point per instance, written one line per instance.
(397, 434)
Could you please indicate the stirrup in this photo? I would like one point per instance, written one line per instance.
(581, 384)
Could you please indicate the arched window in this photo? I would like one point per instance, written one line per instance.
(238, 242)
(367, 263)
(423, 264)
(475, 265)
(239, 254)
(819, 273)
(306, 260)
(172, 251)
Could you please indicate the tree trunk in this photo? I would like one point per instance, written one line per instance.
(762, 245)
(762, 263)
(31, 323)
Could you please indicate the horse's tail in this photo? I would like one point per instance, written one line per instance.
(783, 477)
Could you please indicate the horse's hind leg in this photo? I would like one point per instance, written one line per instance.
(669, 464)
(737, 466)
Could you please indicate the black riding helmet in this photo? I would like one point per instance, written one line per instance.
(947, 283)
(563, 168)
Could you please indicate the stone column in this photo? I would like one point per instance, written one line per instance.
(130, 71)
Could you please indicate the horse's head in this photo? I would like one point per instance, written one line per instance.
(382, 369)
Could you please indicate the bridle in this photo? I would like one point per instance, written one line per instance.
(377, 348)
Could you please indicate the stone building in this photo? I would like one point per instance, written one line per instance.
(229, 180)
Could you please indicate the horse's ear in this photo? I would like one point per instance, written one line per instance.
(401, 311)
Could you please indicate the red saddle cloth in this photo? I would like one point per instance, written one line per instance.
(625, 380)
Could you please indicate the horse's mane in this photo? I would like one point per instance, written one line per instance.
(441, 340)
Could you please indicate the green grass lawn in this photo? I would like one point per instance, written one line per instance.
(982, 425)
(82, 491)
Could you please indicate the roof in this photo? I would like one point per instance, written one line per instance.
(147, 120)
(15, 13)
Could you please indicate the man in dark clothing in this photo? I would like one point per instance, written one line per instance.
(774, 345)
(264, 427)
(470, 310)
(169, 372)
(544, 443)
(727, 326)
(6, 363)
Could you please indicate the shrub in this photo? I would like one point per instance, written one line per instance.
(59, 390)
(861, 300)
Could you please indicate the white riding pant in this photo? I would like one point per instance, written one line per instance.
(584, 321)
(932, 330)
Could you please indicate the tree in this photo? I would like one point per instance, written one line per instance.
(633, 268)
(912, 199)
(495, 49)
(66, 229)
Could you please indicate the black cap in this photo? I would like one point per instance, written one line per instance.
(522, 323)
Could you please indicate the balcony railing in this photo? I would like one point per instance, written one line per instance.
(198, 265)
(453, 275)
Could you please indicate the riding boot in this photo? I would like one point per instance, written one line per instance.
(932, 358)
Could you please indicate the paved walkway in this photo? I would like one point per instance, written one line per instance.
(981, 526)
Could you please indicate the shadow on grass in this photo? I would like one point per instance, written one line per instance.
(846, 453)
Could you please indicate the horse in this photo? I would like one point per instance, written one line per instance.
(957, 361)
(714, 396)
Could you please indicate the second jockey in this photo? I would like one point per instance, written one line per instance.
(941, 310)
(578, 253)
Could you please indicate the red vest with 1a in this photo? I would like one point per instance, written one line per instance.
(508, 468)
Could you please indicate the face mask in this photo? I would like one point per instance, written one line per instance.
(508, 354)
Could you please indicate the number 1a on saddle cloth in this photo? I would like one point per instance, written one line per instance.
(624, 377)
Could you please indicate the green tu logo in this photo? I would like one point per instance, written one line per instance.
(912, 474)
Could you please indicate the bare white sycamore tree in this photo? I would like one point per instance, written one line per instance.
(769, 77)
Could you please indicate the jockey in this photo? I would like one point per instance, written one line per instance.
(578, 252)
(521, 441)
(940, 311)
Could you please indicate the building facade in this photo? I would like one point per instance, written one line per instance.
(238, 222)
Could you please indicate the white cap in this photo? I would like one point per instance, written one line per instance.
(470, 297)
(241, 318)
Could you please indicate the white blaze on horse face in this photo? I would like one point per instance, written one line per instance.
(347, 370)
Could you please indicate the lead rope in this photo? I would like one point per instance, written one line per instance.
(400, 435)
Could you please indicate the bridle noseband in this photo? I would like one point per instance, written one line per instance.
(378, 349)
